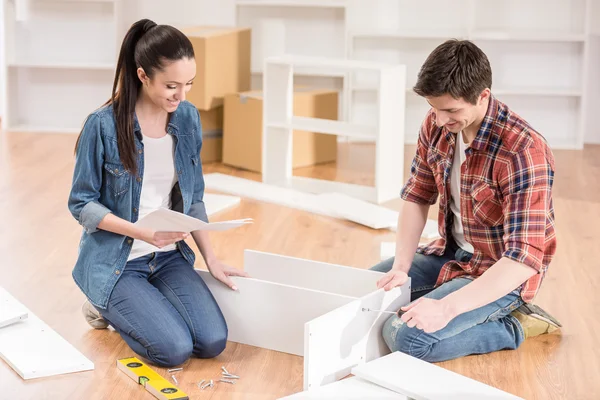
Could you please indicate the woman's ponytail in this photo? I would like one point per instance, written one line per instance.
(125, 92)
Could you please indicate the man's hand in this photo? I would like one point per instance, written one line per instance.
(222, 272)
(427, 314)
(393, 278)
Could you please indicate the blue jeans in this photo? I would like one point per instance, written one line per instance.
(483, 330)
(165, 312)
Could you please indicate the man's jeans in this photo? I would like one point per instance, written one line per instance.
(483, 330)
(165, 312)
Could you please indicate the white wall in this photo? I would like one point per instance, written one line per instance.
(542, 78)
(2, 61)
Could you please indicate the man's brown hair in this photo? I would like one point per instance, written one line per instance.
(456, 67)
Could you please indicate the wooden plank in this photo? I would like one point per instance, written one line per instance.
(413, 377)
(348, 336)
(268, 314)
(353, 388)
(34, 350)
(308, 274)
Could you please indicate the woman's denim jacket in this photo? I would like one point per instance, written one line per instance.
(101, 185)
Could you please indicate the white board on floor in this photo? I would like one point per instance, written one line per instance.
(217, 203)
(11, 311)
(326, 277)
(349, 336)
(353, 388)
(360, 211)
(270, 315)
(34, 350)
(422, 380)
(333, 205)
(264, 192)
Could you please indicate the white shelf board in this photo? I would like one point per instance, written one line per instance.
(330, 127)
(64, 65)
(307, 72)
(294, 3)
(542, 36)
(517, 91)
(84, 1)
(534, 36)
(321, 186)
(540, 91)
(409, 34)
(326, 64)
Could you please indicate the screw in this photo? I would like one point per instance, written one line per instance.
(227, 381)
(174, 379)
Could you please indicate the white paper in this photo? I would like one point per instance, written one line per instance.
(165, 220)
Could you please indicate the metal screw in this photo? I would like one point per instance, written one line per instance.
(224, 370)
(174, 379)
(175, 369)
(227, 381)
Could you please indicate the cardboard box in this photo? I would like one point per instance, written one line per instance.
(212, 135)
(242, 129)
(222, 63)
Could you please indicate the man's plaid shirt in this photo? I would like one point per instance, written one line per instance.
(506, 194)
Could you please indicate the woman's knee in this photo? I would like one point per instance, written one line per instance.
(212, 344)
(171, 351)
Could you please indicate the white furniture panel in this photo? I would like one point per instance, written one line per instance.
(413, 377)
(270, 315)
(349, 336)
(11, 311)
(353, 388)
(34, 350)
(314, 275)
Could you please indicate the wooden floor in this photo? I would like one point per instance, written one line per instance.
(38, 245)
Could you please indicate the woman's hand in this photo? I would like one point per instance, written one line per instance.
(222, 272)
(161, 239)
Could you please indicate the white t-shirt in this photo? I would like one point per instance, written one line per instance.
(455, 178)
(158, 181)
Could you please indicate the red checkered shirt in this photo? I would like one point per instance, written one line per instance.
(506, 194)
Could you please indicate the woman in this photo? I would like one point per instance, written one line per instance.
(137, 153)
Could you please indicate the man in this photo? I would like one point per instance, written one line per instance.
(493, 173)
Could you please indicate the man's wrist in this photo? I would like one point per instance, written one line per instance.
(452, 306)
(401, 266)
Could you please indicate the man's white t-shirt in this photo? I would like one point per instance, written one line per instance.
(455, 178)
(158, 181)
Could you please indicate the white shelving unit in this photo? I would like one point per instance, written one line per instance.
(280, 123)
(545, 54)
(539, 53)
(296, 27)
(60, 58)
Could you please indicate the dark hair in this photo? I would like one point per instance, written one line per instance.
(149, 46)
(456, 67)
